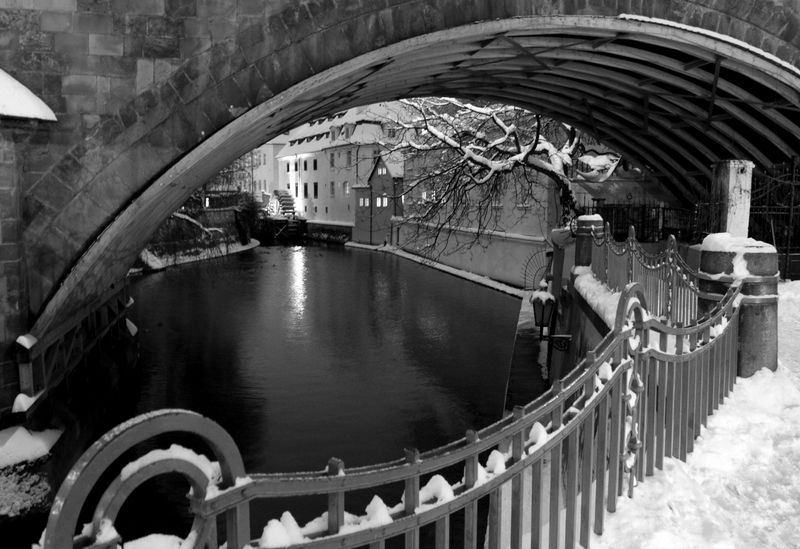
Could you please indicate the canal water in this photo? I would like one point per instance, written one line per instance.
(306, 353)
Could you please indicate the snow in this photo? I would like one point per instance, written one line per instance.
(18, 444)
(740, 488)
(437, 489)
(740, 245)
(27, 341)
(602, 300)
(209, 468)
(155, 541)
(18, 101)
(542, 295)
(23, 402)
(590, 217)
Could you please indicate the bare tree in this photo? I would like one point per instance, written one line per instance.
(469, 158)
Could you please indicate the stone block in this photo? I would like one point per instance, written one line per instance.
(211, 8)
(71, 45)
(106, 44)
(164, 26)
(298, 21)
(9, 230)
(9, 252)
(144, 74)
(180, 8)
(9, 203)
(190, 47)
(52, 192)
(161, 46)
(215, 109)
(95, 6)
(195, 27)
(222, 27)
(164, 68)
(80, 220)
(56, 21)
(144, 7)
(79, 84)
(93, 23)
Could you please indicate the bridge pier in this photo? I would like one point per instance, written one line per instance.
(723, 260)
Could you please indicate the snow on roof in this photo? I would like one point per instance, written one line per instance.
(19, 102)
(317, 135)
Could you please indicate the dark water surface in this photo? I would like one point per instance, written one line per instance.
(311, 352)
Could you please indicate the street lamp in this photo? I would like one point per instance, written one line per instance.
(545, 312)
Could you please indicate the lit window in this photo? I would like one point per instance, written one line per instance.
(345, 187)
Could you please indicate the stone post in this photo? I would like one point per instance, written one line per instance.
(731, 188)
(724, 259)
(583, 238)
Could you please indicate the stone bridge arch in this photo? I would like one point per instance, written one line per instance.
(154, 96)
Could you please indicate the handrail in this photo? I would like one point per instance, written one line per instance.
(629, 403)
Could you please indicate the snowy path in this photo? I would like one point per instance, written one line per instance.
(741, 486)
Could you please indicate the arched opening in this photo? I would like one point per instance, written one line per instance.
(672, 99)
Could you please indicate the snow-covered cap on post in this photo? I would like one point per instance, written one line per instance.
(725, 258)
(17, 101)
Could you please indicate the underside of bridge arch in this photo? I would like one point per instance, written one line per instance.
(672, 99)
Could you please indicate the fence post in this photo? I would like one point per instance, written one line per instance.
(583, 238)
(335, 499)
(725, 259)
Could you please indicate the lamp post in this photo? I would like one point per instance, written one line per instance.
(545, 311)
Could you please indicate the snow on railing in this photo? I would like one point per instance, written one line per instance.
(554, 466)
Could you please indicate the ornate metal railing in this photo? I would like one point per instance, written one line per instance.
(554, 466)
(43, 362)
(670, 285)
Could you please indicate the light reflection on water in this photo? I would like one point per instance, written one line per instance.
(307, 353)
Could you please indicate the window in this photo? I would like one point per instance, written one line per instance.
(295, 166)
(305, 165)
(296, 191)
(349, 158)
(376, 153)
(391, 133)
(316, 187)
(326, 209)
(345, 187)
(305, 190)
(287, 166)
(288, 187)
(383, 201)
(363, 202)
(305, 209)
(314, 164)
(333, 189)
(315, 209)
(382, 170)
(332, 163)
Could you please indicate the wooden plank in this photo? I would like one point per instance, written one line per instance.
(650, 434)
(517, 500)
(471, 509)
(602, 464)
(335, 499)
(536, 504)
(614, 449)
(571, 494)
(494, 532)
(555, 495)
(587, 466)
(443, 533)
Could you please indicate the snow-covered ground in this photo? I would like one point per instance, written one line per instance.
(741, 486)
